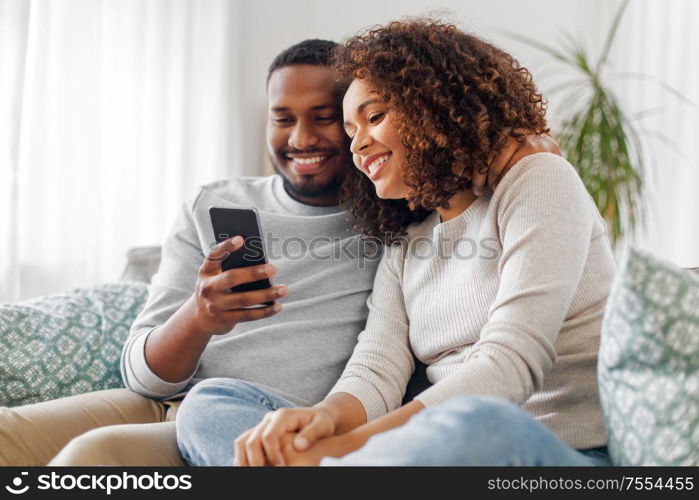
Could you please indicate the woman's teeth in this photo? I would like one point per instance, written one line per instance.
(309, 161)
(374, 165)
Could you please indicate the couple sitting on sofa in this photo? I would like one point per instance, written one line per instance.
(494, 273)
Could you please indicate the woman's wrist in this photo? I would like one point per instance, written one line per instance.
(331, 413)
(345, 410)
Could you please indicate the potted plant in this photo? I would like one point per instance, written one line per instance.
(597, 136)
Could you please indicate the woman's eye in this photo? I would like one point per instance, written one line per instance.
(282, 120)
(375, 117)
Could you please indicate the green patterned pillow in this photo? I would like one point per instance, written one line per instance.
(65, 344)
(649, 364)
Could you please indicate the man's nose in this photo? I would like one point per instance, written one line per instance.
(303, 137)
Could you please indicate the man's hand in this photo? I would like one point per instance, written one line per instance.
(173, 349)
(262, 445)
(508, 156)
(217, 309)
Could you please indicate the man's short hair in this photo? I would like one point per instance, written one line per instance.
(314, 52)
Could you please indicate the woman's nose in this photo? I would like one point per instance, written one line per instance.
(359, 143)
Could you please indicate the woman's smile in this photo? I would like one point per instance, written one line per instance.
(374, 164)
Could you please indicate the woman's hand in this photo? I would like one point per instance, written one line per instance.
(298, 427)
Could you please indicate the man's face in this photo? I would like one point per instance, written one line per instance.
(305, 138)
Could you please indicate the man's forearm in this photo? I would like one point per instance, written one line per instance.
(360, 435)
(173, 350)
(343, 443)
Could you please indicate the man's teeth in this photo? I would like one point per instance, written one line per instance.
(309, 161)
(374, 165)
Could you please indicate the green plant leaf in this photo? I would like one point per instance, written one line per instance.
(597, 136)
(649, 78)
(610, 36)
(541, 46)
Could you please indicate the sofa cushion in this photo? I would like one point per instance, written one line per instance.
(67, 343)
(141, 264)
(649, 364)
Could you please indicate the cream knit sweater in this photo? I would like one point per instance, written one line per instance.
(505, 299)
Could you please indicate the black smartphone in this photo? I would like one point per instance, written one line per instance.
(245, 222)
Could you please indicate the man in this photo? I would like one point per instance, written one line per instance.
(193, 327)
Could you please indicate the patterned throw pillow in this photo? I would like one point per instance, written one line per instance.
(649, 364)
(65, 344)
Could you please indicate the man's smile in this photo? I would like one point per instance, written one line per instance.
(308, 163)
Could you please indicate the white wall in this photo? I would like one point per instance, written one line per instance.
(268, 27)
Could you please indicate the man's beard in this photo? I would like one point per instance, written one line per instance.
(311, 190)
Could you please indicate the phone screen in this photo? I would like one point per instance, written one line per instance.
(229, 222)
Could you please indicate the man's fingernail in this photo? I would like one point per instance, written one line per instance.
(301, 443)
(237, 240)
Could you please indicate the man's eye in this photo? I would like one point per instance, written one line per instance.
(376, 117)
(282, 120)
(327, 118)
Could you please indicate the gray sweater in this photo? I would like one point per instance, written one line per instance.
(505, 300)
(299, 353)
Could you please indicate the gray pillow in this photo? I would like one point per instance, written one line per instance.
(141, 264)
(649, 364)
(67, 343)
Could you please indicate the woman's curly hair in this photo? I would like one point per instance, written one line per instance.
(456, 98)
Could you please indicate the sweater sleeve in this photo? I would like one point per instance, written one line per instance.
(545, 220)
(171, 286)
(381, 364)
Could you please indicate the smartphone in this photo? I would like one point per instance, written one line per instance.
(245, 222)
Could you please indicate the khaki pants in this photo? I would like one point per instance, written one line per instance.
(111, 427)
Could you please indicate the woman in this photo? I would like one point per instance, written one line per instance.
(501, 296)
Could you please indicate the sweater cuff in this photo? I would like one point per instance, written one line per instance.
(144, 380)
(371, 399)
(430, 398)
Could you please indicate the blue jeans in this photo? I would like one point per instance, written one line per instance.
(214, 413)
(467, 430)
(471, 430)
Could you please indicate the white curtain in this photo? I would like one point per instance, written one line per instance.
(112, 112)
(661, 40)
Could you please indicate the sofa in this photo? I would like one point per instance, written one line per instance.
(70, 343)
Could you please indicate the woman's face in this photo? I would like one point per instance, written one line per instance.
(376, 148)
